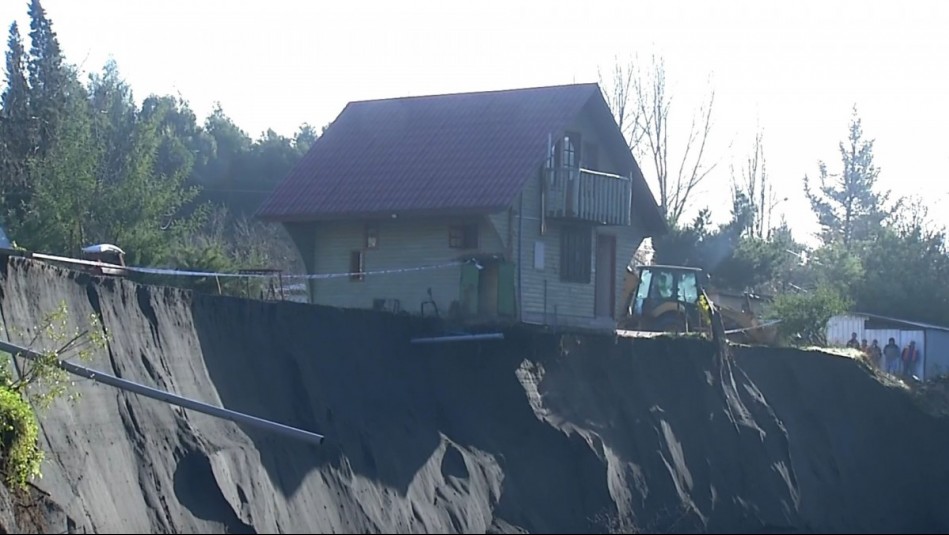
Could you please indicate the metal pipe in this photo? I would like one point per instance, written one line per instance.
(458, 338)
(168, 397)
(67, 260)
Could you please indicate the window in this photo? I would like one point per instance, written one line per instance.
(372, 235)
(662, 285)
(576, 254)
(568, 150)
(688, 288)
(463, 236)
(645, 283)
(357, 266)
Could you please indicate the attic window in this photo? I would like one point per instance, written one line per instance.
(567, 150)
(372, 235)
(463, 236)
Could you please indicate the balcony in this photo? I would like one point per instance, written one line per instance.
(585, 195)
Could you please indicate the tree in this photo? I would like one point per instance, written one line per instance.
(113, 123)
(642, 107)
(99, 179)
(620, 96)
(81, 163)
(184, 146)
(846, 204)
(16, 141)
(229, 146)
(804, 315)
(61, 168)
(138, 204)
(63, 175)
(304, 138)
(753, 196)
(50, 78)
(682, 245)
(905, 270)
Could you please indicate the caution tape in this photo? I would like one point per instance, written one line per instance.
(221, 274)
(308, 276)
(753, 327)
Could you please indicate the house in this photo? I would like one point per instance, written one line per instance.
(931, 340)
(517, 205)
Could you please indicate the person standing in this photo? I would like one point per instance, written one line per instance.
(910, 358)
(891, 357)
(853, 343)
(876, 355)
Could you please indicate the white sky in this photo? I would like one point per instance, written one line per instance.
(795, 68)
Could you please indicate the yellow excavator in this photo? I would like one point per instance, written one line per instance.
(670, 299)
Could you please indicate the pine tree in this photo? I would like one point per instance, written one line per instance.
(64, 179)
(49, 77)
(114, 120)
(137, 205)
(848, 206)
(16, 141)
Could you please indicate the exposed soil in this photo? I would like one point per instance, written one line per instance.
(536, 433)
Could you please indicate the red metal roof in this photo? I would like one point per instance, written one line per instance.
(467, 152)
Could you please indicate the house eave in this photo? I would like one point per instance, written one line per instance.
(395, 214)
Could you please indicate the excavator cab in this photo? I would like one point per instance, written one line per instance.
(666, 299)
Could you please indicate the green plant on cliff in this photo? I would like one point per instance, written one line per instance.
(19, 432)
(40, 380)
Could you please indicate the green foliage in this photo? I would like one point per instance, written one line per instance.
(19, 433)
(755, 264)
(82, 163)
(64, 180)
(240, 172)
(41, 381)
(804, 315)
(15, 131)
(735, 260)
(50, 80)
(905, 271)
(205, 254)
(836, 267)
(226, 245)
(847, 206)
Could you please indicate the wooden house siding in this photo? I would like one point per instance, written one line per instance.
(541, 296)
(545, 298)
(402, 244)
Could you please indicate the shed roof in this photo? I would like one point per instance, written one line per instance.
(455, 153)
(917, 324)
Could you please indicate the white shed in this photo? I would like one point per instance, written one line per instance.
(931, 340)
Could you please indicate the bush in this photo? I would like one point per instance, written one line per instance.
(40, 380)
(19, 432)
(804, 316)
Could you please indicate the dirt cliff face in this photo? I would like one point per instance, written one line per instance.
(538, 433)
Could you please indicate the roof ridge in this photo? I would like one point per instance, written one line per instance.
(480, 92)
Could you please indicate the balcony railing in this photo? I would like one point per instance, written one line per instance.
(585, 195)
